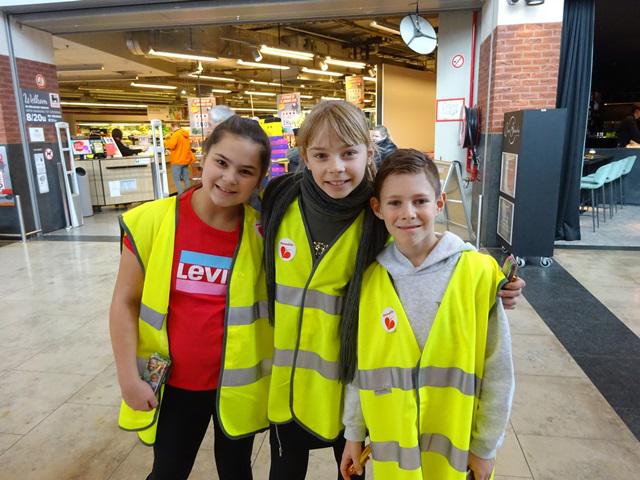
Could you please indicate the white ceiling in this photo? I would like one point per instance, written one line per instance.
(67, 52)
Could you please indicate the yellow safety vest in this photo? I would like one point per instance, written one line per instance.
(248, 338)
(394, 376)
(308, 308)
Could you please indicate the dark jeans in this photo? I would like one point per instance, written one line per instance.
(183, 422)
(290, 445)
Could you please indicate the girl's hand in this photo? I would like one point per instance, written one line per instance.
(510, 293)
(481, 467)
(351, 456)
(139, 395)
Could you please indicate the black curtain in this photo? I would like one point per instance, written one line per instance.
(574, 85)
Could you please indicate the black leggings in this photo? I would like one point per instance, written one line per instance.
(290, 445)
(183, 422)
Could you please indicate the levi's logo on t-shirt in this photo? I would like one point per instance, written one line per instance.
(202, 273)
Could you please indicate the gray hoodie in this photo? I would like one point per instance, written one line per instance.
(420, 290)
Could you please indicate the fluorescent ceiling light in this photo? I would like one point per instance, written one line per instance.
(322, 72)
(260, 94)
(281, 52)
(153, 85)
(344, 63)
(332, 98)
(306, 96)
(368, 101)
(85, 67)
(182, 56)
(369, 79)
(262, 65)
(113, 105)
(220, 90)
(217, 79)
(101, 79)
(257, 82)
(248, 109)
(375, 24)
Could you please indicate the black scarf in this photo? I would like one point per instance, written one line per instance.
(280, 193)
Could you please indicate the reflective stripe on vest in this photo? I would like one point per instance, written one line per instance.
(304, 377)
(403, 378)
(248, 338)
(394, 376)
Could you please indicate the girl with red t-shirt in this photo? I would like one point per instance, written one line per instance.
(237, 156)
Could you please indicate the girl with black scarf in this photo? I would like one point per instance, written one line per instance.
(333, 193)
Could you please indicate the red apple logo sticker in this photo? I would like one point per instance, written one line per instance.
(389, 320)
(286, 249)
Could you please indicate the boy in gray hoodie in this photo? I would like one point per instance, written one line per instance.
(420, 271)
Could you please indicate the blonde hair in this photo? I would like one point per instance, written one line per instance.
(344, 119)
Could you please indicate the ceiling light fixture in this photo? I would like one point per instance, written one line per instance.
(306, 96)
(369, 79)
(220, 90)
(153, 85)
(345, 63)
(281, 52)
(258, 82)
(182, 56)
(323, 66)
(111, 105)
(376, 25)
(321, 72)
(208, 77)
(85, 67)
(257, 56)
(260, 94)
(91, 80)
(262, 65)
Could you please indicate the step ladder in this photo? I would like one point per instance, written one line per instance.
(451, 183)
(71, 190)
(160, 182)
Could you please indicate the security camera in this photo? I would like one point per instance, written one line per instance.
(512, 2)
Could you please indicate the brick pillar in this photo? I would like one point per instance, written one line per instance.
(523, 72)
(518, 69)
(49, 203)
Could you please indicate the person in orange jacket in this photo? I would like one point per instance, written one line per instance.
(181, 156)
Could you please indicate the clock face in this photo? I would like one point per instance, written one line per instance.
(418, 34)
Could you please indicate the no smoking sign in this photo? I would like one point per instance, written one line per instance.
(457, 61)
(48, 154)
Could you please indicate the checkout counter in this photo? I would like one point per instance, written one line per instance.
(114, 181)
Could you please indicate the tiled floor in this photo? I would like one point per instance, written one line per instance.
(59, 396)
(623, 230)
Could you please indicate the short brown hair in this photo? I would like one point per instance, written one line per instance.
(408, 160)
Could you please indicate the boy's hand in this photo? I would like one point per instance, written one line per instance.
(351, 456)
(510, 293)
(139, 395)
(480, 467)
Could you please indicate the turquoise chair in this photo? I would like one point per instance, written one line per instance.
(614, 174)
(628, 166)
(594, 182)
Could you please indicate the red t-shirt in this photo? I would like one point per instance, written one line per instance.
(202, 259)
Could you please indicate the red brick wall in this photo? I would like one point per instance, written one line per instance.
(524, 72)
(9, 130)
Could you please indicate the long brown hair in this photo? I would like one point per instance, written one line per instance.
(246, 128)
